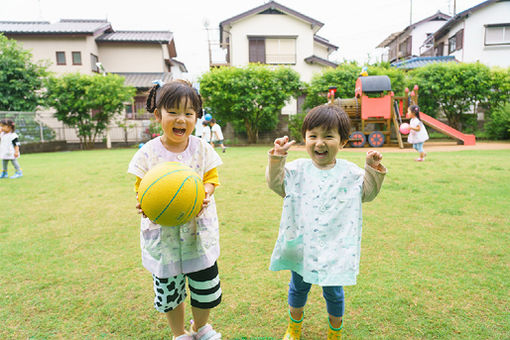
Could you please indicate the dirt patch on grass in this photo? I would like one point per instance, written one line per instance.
(430, 146)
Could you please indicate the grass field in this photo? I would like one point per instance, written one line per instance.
(435, 258)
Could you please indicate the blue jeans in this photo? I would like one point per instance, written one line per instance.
(298, 294)
(418, 147)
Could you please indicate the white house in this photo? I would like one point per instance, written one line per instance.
(480, 33)
(276, 35)
(410, 42)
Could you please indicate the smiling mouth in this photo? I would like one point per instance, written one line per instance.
(179, 132)
(321, 154)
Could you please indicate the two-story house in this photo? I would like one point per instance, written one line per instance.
(480, 33)
(93, 46)
(276, 35)
(410, 42)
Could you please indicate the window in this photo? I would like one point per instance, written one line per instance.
(93, 60)
(61, 58)
(498, 34)
(257, 50)
(452, 44)
(272, 50)
(76, 58)
(281, 51)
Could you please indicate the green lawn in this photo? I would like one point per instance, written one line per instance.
(435, 252)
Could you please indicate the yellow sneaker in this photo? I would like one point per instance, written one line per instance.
(334, 333)
(294, 329)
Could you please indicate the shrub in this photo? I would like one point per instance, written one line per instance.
(295, 124)
(498, 126)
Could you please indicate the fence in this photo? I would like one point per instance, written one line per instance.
(42, 126)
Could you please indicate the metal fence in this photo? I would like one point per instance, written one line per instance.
(42, 126)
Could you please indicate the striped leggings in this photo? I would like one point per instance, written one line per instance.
(204, 286)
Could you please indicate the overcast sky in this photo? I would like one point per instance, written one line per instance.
(357, 26)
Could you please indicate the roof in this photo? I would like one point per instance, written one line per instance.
(325, 42)
(461, 16)
(179, 64)
(437, 16)
(321, 61)
(64, 26)
(143, 80)
(422, 61)
(273, 8)
(160, 37)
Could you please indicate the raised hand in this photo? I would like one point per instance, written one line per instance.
(374, 159)
(282, 145)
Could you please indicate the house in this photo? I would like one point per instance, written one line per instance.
(410, 42)
(93, 46)
(276, 35)
(480, 33)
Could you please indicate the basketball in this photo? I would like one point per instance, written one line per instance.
(405, 128)
(171, 194)
(207, 117)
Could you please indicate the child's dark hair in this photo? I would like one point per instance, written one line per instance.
(212, 121)
(171, 94)
(9, 123)
(328, 116)
(416, 110)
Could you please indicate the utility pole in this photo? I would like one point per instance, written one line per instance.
(411, 12)
(206, 26)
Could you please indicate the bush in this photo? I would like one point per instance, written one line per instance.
(498, 126)
(295, 124)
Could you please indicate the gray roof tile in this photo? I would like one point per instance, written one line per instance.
(162, 37)
(64, 26)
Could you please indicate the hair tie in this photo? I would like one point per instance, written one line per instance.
(158, 82)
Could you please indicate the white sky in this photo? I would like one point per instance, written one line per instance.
(356, 26)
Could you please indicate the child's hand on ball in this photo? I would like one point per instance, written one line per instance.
(139, 207)
(209, 190)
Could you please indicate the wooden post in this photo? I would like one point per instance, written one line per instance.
(397, 130)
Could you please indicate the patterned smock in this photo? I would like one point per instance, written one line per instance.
(320, 228)
(170, 251)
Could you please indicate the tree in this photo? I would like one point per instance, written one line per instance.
(20, 79)
(252, 96)
(452, 88)
(87, 102)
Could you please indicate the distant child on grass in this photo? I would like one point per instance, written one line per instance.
(320, 228)
(9, 148)
(418, 134)
(190, 251)
(217, 135)
(206, 132)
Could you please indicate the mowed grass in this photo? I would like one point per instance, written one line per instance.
(435, 251)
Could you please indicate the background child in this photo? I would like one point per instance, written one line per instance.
(190, 251)
(206, 131)
(418, 134)
(320, 229)
(9, 148)
(216, 135)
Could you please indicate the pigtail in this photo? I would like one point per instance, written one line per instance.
(151, 99)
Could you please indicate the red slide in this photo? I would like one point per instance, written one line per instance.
(447, 130)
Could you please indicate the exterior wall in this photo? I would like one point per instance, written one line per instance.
(474, 36)
(273, 25)
(320, 50)
(123, 57)
(45, 48)
(420, 34)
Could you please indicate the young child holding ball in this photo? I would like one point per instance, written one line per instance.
(190, 251)
(418, 134)
(320, 228)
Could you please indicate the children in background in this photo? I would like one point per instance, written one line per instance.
(206, 132)
(320, 228)
(199, 127)
(190, 251)
(9, 148)
(418, 134)
(217, 135)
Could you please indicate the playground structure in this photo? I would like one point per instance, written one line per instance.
(376, 113)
